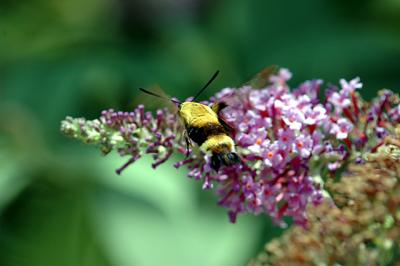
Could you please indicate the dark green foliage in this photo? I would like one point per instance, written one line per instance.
(61, 204)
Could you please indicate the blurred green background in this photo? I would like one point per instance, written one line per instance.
(61, 203)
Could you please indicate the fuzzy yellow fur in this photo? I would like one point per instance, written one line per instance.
(218, 144)
(197, 114)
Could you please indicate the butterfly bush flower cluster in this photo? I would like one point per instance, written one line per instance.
(289, 141)
(359, 225)
(129, 133)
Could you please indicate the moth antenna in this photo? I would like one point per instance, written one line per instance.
(159, 96)
(205, 86)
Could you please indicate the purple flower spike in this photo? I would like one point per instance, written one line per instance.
(285, 140)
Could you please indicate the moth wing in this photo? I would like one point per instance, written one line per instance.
(217, 107)
(261, 79)
(227, 127)
(151, 102)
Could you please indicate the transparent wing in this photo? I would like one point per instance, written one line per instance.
(261, 79)
(155, 99)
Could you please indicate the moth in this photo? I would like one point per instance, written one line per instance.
(205, 127)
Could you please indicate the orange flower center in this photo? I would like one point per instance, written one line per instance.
(300, 144)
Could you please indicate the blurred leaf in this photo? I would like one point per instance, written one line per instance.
(159, 221)
(11, 181)
(37, 231)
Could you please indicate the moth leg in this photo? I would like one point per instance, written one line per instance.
(188, 144)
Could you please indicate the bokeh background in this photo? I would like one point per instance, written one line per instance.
(61, 202)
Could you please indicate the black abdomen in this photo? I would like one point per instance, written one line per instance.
(200, 134)
(227, 159)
